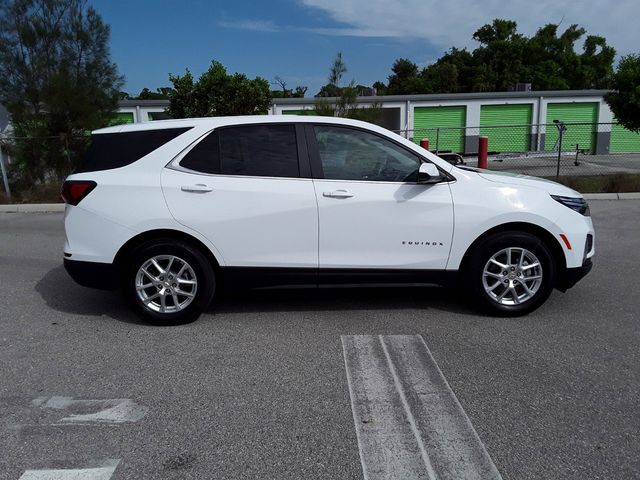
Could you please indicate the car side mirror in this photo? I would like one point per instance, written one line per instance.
(429, 173)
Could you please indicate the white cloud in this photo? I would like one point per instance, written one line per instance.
(452, 22)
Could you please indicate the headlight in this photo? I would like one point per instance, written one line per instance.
(579, 204)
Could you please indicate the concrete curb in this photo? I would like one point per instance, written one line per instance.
(32, 208)
(59, 207)
(613, 196)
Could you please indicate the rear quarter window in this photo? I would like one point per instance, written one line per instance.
(114, 150)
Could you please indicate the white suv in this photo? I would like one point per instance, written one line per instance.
(172, 211)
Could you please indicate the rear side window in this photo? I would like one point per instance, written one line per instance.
(115, 150)
(259, 151)
(252, 150)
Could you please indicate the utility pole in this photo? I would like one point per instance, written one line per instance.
(561, 129)
(4, 174)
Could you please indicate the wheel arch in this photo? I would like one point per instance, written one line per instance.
(127, 249)
(543, 234)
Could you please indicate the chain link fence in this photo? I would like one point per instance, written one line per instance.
(32, 169)
(542, 150)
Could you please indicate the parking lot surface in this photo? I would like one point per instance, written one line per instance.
(257, 388)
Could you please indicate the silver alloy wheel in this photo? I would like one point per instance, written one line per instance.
(512, 276)
(166, 284)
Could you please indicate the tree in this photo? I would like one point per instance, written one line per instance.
(381, 88)
(56, 80)
(597, 63)
(498, 31)
(217, 93)
(283, 93)
(625, 99)
(337, 70)
(162, 93)
(548, 60)
(405, 80)
(300, 91)
(450, 73)
(552, 62)
(498, 61)
(345, 104)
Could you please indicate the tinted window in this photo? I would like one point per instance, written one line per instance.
(348, 154)
(205, 156)
(259, 150)
(115, 150)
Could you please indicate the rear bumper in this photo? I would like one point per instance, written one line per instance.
(92, 274)
(572, 276)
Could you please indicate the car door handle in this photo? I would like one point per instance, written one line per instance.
(338, 194)
(197, 188)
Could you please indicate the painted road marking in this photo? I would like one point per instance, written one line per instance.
(112, 411)
(409, 423)
(99, 473)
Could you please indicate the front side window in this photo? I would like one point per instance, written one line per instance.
(252, 150)
(349, 154)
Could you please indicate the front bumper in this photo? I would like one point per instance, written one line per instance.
(92, 274)
(571, 276)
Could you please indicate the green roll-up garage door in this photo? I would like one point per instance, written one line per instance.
(585, 113)
(120, 118)
(507, 126)
(450, 121)
(623, 140)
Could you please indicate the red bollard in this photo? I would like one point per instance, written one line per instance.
(424, 143)
(483, 149)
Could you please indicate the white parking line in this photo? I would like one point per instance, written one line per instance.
(99, 473)
(408, 421)
(111, 411)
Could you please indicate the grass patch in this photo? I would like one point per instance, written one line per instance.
(624, 182)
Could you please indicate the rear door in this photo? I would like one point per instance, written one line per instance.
(244, 188)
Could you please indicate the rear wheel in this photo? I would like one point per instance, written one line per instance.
(169, 282)
(511, 273)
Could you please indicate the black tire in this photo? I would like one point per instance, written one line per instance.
(474, 273)
(182, 252)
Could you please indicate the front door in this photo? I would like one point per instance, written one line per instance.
(372, 212)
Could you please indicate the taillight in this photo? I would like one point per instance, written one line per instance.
(73, 191)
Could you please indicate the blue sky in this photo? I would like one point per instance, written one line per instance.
(298, 39)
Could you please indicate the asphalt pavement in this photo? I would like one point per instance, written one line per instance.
(257, 387)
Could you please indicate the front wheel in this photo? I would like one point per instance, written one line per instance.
(511, 273)
(169, 282)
